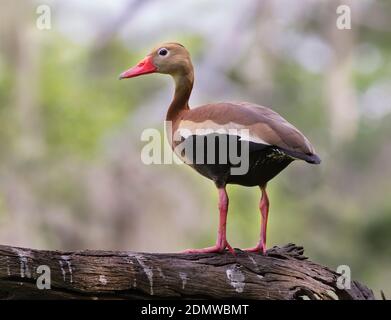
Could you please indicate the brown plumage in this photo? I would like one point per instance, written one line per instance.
(265, 125)
(271, 141)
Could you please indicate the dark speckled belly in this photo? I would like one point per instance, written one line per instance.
(264, 162)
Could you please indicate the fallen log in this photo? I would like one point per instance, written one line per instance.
(284, 273)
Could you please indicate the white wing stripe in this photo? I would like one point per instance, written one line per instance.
(187, 128)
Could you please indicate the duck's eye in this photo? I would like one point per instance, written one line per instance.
(162, 52)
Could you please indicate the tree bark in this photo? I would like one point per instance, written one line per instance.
(284, 273)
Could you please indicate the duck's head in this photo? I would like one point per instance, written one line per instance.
(168, 58)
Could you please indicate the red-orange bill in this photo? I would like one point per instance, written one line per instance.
(145, 66)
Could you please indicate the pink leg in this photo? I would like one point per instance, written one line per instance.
(221, 242)
(264, 207)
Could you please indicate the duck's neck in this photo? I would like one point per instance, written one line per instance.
(180, 102)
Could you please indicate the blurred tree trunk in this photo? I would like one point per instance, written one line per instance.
(20, 52)
(339, 87)
(27, 83)
(21, 49)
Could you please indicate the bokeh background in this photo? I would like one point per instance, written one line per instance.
(70, 170)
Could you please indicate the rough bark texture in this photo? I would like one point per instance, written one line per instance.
(283, 274)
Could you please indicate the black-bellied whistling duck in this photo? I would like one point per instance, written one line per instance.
(272, 141)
